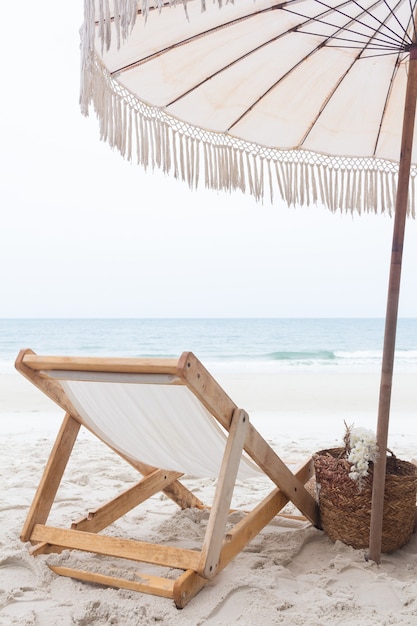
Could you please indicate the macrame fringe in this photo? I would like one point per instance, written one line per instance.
(123, 13)
(157, 140)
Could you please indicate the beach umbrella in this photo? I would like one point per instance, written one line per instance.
(308, 101)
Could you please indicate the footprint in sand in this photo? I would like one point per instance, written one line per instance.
(244, 606)
(367, 590)
(15, 569)
(18, 584)
(230, 609)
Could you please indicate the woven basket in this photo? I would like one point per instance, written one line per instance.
(346, 511)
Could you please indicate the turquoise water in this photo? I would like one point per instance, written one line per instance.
(233, 344)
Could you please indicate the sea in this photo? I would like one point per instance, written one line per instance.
(232, 345)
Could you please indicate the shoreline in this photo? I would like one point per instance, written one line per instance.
(311, 404)
(263, 391)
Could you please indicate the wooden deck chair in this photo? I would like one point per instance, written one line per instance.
(166, 418)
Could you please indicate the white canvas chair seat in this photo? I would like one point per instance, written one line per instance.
(167, 418)
(160, 424)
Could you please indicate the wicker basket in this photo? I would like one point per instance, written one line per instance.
(346, 511)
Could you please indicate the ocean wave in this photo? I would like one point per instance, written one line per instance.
(313, 360)
(375, 355)
(270, 345)
(308, 355)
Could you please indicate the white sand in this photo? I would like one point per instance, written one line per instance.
(290, 574)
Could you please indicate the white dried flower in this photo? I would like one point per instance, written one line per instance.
(363, 450)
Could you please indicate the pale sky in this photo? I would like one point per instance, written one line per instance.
(86, 234)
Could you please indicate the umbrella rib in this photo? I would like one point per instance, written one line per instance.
(389, 91)
(412, 20)
(364, 9)
(237, 60)
(370, 56)
(244, 56)
(329, 10)
(337, 85)
(387, 52)
(326, 102)
(280, 6)
(154, 55)
(394, 73)
(395, 36)
(351, 20)
(192, 38)
(317, 48)
(393, 14)
(293, 68)
(394, 48)
(388, 44)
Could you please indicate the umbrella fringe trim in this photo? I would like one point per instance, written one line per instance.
(123, 13)
(298, 177)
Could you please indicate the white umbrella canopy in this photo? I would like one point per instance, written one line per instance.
(310, 100)
(259, 95)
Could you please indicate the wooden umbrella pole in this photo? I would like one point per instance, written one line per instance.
(377, 508)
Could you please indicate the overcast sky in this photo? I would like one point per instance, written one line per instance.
(85, 234)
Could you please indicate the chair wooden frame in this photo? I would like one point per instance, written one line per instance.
(219, 547)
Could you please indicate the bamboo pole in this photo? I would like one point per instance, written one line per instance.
(377, 508)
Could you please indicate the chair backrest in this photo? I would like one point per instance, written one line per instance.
(159, 423)
(143, 408)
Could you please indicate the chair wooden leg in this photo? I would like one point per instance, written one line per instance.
(176, 491)
(154, 585)
(50, 481)
(130, 498)
(186, 587)
(216, 526)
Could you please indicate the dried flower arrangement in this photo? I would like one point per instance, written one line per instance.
(361, 448)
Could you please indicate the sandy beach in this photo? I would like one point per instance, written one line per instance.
(290, 574)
